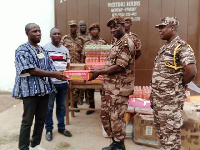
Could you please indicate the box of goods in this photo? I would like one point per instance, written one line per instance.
(142, 92)
(140, 105)
(131, 109)
(96, 53)
(190, 131)
(77, 74)
(77, 66)
(144, 131)
(93, 66)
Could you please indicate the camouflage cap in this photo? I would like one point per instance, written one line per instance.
(72, 22)
(116, 20)
(94, 25)
(128, 19)
(168, 21)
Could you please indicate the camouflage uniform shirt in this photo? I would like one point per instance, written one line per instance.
(85, 37)
(137, 43)
(122, 83)
(74, 46)
(134, 37)
(167, 83)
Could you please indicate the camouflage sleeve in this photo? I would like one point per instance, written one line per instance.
(137, 44)
(123, 57)
(186, 55)
(136, 40)
(83, 51)
(137, 47)
(62, 40)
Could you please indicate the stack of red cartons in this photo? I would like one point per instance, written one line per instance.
(77, 66)
(96, 56)
(96, 53)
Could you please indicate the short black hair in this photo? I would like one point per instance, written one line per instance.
(53, 29)
(94, 28)
(27, 27)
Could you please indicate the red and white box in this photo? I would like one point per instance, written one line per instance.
(77, 74)
(93, 66)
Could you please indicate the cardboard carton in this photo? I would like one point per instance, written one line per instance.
(190, 131)
(77, 74)
(77, 66)
(99, 79)
(93, 66)
(144, 131)
(140, 105)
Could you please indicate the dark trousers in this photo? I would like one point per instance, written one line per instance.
(34, 106)
(60, 98)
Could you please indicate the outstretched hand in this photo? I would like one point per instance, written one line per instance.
(95, 74)
(60, 76)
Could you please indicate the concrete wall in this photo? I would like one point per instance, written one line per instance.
(15, 14)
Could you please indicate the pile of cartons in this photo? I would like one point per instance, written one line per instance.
(144, 130)
(143, 126)
(190, 131)
(81, 72)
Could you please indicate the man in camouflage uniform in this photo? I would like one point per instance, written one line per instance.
(94, 30)
(75, 45)
(174, 68)
(118, 84)
(133, 36)
(83, 31)
(85, 37)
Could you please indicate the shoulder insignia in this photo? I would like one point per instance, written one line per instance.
(118, 42)
(125, 42)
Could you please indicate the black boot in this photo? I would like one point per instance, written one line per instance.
(80, 102)
(90, 111)
(111, 147)
(119, 146)
(75, 106)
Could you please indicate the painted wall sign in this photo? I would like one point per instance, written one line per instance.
(126, 9)
(62, 1)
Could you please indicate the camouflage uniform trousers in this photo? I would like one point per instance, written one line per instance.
(76, 93)
(168, 120)
(113, 110)
(89, 96)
